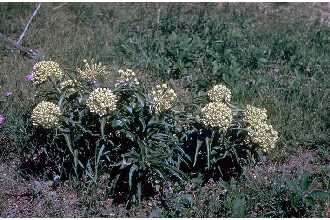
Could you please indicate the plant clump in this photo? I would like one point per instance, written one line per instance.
(146, 143)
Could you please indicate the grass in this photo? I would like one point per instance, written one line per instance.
(274, 60)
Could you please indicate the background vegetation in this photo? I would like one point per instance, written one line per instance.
(270, 55)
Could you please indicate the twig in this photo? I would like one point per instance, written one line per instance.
(60, 6)
(158, 16)
(28, 24)
(31, 53)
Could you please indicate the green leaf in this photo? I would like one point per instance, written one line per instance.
(117, 123)
(130, 175)
(208, 142)
(208, 150)
(320, 195)
(102, 125)
(143, 124)
(140, 99)
(68, 142)
(100, 154)
(139, 191)
(199, 144)
(129, 109)
(129, 135)
(238, 208)
(306, 182)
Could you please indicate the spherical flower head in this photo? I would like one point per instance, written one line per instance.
(102, 101)
(2, 120)
(163, 98)
(127, 78)
(219, 93)
(69, 86)
(92, 71)
(217, 115)
(44, 70)
(264, 135)
(255, 116)
(46, 114)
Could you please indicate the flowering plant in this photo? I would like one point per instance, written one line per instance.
(223, 138)
(125, 130)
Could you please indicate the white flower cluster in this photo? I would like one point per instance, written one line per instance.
(219, 93)
(46, 114)
(102, 101)
(260, 132)
(163, 98)
(127, 78)
(92, 70)
(217, 115)
(44, 69)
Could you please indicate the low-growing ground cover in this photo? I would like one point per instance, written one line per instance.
(265, 53)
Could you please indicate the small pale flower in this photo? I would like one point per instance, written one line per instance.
(2, 120)
(92, 71)
(163, 98)
(217, 115)
(46, 114)
(219, 93)
(44, 70)
(8, 94)
(29, 77)
(102, 101)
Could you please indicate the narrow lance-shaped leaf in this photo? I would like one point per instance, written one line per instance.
(130, 175)
(199, 144)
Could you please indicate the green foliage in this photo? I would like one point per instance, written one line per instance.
(271, 195)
